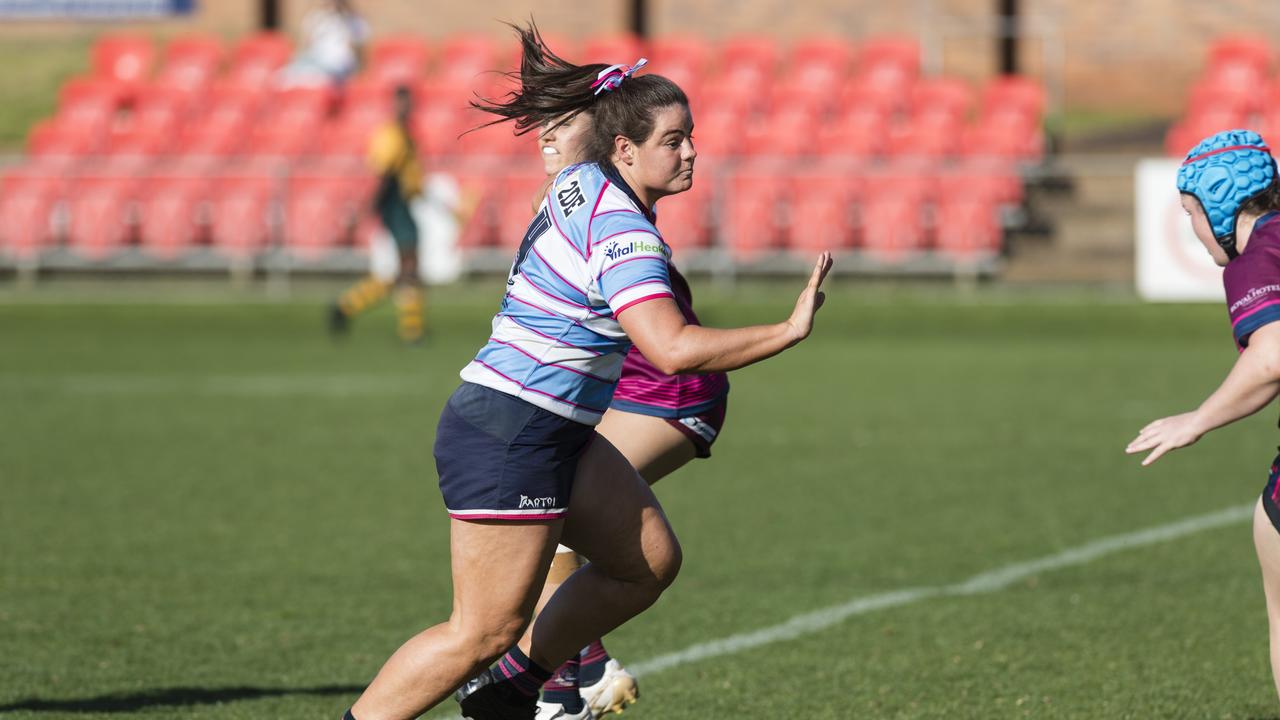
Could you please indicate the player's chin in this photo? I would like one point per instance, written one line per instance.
(681, 182)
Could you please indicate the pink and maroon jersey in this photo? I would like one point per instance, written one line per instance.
(646, 390)
(1252, 281)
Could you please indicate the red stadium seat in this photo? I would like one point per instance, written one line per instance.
(320, 213)
(123, 59)
(153, 127)
(820, 207)
(463, 57)
(820, 61)
(239, 211)
(889, 62)
(681, 55)
(685, 219)
(930, 136)
(1249, 56)
(99, 210)
(191, 62)
(516, 190)
(892, 228)
(724, 94)
(256, 58)
(717, 134)
(786, 133)
(859, 94)
(1242, 100)
(27, 199)
(859, 135)
(940, 95)
(612, 48)
(749, 60)
(169, 211)
(1014, 93)
(436, 131)
(967, 228)
(984, 179)
(49, 139)
(1008, 136)
(397, 60)
(749, 220)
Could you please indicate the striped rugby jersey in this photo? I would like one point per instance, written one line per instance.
(1252, 281)
(590, 252)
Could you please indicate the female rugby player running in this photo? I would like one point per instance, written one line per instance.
(659, 422)
(1230, 192)
(518, 436)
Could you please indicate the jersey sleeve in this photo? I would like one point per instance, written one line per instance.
(629, 262)
(1253, 294)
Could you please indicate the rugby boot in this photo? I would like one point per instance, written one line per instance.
(486, 697)
(616, 690)
(556, 711)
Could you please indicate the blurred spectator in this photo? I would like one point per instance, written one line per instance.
(394, 157)
(331, 46)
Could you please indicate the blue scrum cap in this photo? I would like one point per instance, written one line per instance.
(1223, 172)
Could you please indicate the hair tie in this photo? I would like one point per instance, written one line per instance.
(612, 76)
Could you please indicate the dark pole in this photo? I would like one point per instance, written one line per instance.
(270, 14)
(639, 18)
(1007, 10)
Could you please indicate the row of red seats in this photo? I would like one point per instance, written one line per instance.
(1233, 91)
(312, 208)
(301, 122)
(167, 211)
(191, 108)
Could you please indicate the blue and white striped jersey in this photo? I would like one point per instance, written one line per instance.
(591, 252)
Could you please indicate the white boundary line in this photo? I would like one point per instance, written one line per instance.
(987, 582)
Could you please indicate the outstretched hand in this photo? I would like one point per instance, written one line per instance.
(801, 320)
(1165, 434)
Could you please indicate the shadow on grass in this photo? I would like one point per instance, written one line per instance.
(171, 697)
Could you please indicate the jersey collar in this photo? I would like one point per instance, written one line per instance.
(612, 175)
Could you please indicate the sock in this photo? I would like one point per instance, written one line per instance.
(522, 673)
(362, 296)
(592, 659)
(562, 688)
(409, 321)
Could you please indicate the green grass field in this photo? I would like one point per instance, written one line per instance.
(209, 510)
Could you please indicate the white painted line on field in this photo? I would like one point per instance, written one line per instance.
(990, 581)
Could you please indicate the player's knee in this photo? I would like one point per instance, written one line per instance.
(666, 561)
(485, 642)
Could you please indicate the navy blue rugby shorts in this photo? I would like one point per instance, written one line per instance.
(501, 458)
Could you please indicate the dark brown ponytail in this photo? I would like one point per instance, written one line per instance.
(554, 89)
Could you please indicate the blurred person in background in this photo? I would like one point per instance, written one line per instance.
(1231, 194)
(393, 155)
(659, 422)
(331, 45)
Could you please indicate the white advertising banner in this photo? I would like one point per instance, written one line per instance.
(1172, 265)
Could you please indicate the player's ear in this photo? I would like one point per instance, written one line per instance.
(624, 149)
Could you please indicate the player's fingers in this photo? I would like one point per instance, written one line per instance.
(815, 278)
(1156, 454)
(1151, 425)
(1141, 444)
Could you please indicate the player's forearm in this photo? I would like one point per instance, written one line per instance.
(697, 349)
(1253, 383)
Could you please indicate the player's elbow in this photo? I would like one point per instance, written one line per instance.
(671, 362)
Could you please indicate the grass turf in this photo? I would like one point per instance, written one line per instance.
(209, 510)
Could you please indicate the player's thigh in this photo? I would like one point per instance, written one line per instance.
(616, 522)
(652, 446)
(498, 569)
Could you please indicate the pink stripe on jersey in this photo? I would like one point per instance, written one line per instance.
(558, 366)
(553, 270)
(558, 341)
(637, 301)
(557, 398)
(563, 235)
(534, 285)
(591, 220)
(1264, 305)
(633, 287)
(624, 262)
(624, 232)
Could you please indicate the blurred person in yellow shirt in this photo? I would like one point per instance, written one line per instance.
(394, 157)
